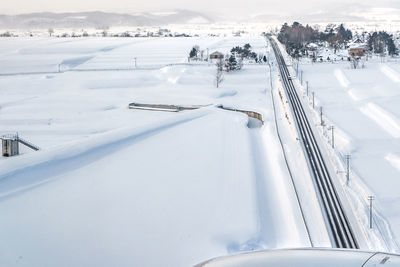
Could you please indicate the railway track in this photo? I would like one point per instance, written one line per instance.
(338, 224)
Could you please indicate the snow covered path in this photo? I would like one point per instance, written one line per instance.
(112, 186)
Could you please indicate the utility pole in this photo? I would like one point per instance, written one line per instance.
(135, 62)
(320, 112)
(348, 169)
(59, 67)
(370, 198)
(301, 77)
(313, 100)
(332, 128)
(307, 87)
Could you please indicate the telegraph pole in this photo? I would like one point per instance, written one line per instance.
(370, 198)
(348, 169)
(313, 100)
(301, 77)
(307, 87)
(135, 62)
(320, 112)
(332, 128)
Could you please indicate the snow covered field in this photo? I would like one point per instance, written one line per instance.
(119, 187)
(363, 105)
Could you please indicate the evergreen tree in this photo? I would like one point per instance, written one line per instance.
(297, 36)
(346, 35)
(232, 63)
(193, 53)
(392, 50)
(379, 42)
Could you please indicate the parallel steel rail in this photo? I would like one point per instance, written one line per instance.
(341, 232)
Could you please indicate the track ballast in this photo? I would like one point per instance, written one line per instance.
(338, 224)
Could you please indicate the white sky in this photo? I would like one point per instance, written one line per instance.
(223, 7)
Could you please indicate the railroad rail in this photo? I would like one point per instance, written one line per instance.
(338, 223)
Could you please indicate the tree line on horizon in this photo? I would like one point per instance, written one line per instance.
(296, 36)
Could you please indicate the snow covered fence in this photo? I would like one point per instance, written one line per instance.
(251, 114)
(164, 107)
(62, 69)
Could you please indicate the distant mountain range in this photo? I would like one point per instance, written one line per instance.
(99, 19)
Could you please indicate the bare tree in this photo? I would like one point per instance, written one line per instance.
(104, 33)
(219, 77)
(354, 62)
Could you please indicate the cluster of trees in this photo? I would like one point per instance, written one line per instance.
(7, 34)
(73, 35)
(337, 37)
(380, 42)
(232, 63)
(197, 54)
(238, 54)
(235, 61)
(244, 52)
(297, 36)
(105, 33)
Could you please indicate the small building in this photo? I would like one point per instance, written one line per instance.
(356, 51)
(358, 41)
(357, 48)
(10, 145)
(217, 55)
(312, 47)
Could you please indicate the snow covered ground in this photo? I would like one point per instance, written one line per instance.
(363, 105)
(118, 187)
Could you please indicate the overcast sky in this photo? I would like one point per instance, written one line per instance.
(223, 7)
